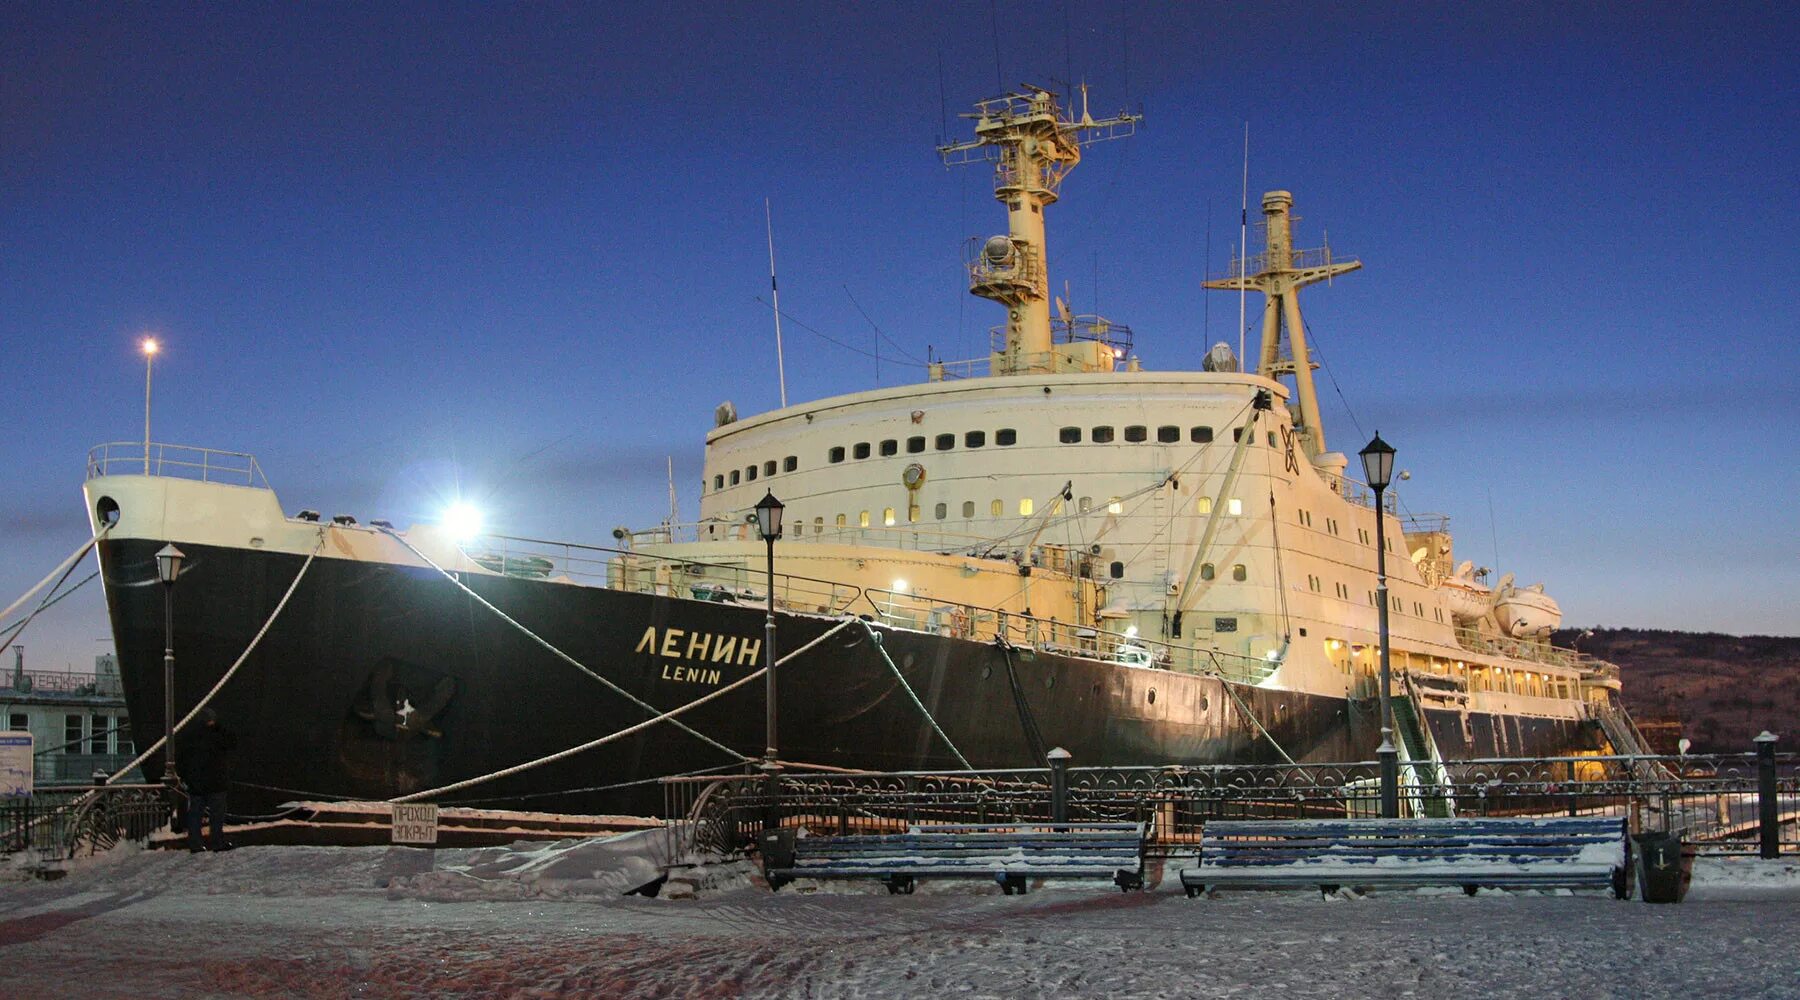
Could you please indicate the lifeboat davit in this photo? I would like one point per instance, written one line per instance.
(1528, 613)
(1467, 600)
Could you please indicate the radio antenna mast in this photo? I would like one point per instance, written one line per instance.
(775, 301)
(1243, 242)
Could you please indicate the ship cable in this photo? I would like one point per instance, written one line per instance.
(49, 602)
(1245, 708)
(1033, 738)
(1287, 620)
(668, 716)
(60, 573)
(566, 658)
(875, 637)
(242, 657)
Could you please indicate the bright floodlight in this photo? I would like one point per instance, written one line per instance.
(150, 346)
(899, 586)
(463, 521)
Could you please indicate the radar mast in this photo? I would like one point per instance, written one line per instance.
(1032, 148)
(1280, 273)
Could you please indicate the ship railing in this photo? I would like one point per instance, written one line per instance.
(1361, 495)
(1299, 260)
(925, 613)
(175, 461)
(1534, 651)
(1713, 801)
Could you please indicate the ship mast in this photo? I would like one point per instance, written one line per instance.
(1032, 148)
(1280, 273)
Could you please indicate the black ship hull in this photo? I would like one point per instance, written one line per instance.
(379, 680)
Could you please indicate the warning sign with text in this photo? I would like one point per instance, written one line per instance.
(415, 823)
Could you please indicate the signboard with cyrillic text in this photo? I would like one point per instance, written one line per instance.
(415, 823)
(15, 765)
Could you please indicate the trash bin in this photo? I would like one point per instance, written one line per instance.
(777, 849)
(1658, 867)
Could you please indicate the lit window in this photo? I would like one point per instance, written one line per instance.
(836, 455)
(887, 516)
(945, 442)
(790, 463)
(968, 508)
(942, 511)
(1069, 435)
(1101, 435)
(997, 508)
(1239, 573)
(1200, 435)
(974, 439)
(1234, 507)
(842, 520)
(1115, 506)
(1206, 571)
(890, 447)
(861, 450)
(1203, 505)
(862, 520)
(1168, 434)
(1137, 434)
(914, 445)
(1025, 507)
(1006, 437)
(912, 512)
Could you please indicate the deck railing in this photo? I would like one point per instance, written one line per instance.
(177, 461)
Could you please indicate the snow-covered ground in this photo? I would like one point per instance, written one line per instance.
(550, 920)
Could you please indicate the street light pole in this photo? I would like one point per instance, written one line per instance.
(168, 567)
(1378, 469)
(768, 525)
(150, 348)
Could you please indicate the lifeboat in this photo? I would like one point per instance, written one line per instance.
(1526, 613)
(1467, 600)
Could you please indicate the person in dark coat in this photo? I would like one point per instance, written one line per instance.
(203, 762)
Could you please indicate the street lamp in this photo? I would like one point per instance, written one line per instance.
(168, 567)
(149, 347)
(768, 525)
(1378, 470)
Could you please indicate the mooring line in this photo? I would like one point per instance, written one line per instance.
(668, 716)
(875, 637)
(62, 569)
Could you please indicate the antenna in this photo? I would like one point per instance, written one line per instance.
(775, 297)
(1243, 243)
(673, 510)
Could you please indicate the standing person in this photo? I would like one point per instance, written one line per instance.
(204, 764)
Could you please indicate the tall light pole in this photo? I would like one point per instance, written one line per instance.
(1378, 469)
(168, 567)
(768, 525)
(149, 347)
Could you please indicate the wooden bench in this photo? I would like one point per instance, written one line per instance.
(1551, 853)
(1010, 854)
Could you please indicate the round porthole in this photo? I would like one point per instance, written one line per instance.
(1049, 681)
(1151, 697)
(1203, 703)
(107, 510)
(986, 672)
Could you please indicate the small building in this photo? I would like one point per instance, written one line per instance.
(77, 721)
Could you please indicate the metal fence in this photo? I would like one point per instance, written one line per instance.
(1721, 804)
(62, 823)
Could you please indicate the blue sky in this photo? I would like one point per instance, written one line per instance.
(520, 247)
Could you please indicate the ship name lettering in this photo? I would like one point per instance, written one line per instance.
(723, 649)
(692, 675)
(700, 646)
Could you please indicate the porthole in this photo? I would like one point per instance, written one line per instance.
(945, 442)
(1069, 435)
(790, 463)
(914, 445)
(1049, 680)
(107, 510)
(1168, 435)
(861, 450)
(769, 467)
(1137, 434)
(975, 439)
(1005, 437)
(986, 671)
(1200, 435)
(1101, 435)
(1117, 570)
(890, 447)
(1151, 696)
(1203, 703)
(836, 455)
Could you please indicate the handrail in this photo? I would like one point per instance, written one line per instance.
(175, 461)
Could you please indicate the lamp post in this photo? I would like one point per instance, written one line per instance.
(150, 347)
(768, 525)
(1378, 470)
(168, 567)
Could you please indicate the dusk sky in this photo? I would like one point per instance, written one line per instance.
(400, 250)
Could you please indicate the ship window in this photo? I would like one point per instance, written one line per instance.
(750, 474)
(974, 439)
(914, 445)
(1271, 439)
(1115, 506)
(1206, 571)
(1137, 433)
(997, 508)
(890, 447)
(1025, 507)
(1101, 435)
(1234, 507)
(836, 455)
(1239, 573)
(942, 511)
(968, 508)
(842, 520)
(861, 450)
(735, 476)
(1150, 696)
(862, 519)
(818, 525)
(1168, 434)
(887, 516)
(1006, 436)
(945, 442)
(1200, 435)
(1203, 505)
(1237, 434)
(769, 467)
(790, 463)
(1085, 504)
(1117, 570)
(1069, 435)
(799, 527)
(719, 481)
(912, 512)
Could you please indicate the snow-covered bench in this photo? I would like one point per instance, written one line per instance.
(1010, 854)
(1588, 852)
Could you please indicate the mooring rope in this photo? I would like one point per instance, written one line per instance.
(668, 716)
(875, 637)
(1252, 717)
(242, 657)
(61, 571)
(558, 653)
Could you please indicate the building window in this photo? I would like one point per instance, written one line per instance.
(1234, 507)
(1006, 437)
(944, 442)
(1117, 570)
(735, 476)
(1025, 507)
(769, 467)
(18, 723)
(122, 739)
(1069, 435)
(1206, 571)
(997, 508)
(1200, 435)
(941, 510)
(1101, 435)
(887, 516)
(1239, 573)
(1115, 506)
(836, 455)
(72, 733)
(97, 734)
(719, 481)
(914, 445)
(1137, 434)
(974, 439)
(861, 450)
(862, 519)
(790, 463)
(750, 474)
(890, 447)
(968, 508)
(1168, 434)
(1203, 505)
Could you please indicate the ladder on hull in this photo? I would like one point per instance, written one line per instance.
(1419, 756)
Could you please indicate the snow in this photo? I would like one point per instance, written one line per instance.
(539, 919)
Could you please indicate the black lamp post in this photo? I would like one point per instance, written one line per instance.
(168, 567)
(1378, 469)
(768, 525)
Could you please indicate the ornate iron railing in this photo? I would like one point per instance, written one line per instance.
(61, 824)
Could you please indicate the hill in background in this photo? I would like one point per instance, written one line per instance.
(1721, 689)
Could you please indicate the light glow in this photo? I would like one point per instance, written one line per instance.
(1131, 632)
(150, 347)
(899, 586)
(463, 521)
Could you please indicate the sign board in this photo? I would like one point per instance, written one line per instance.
(16, 758)
(415, 823)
